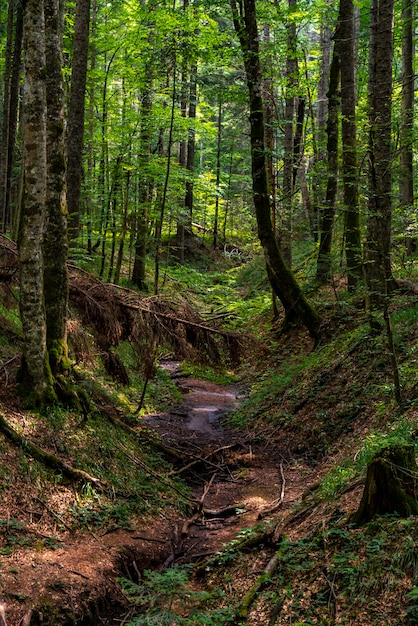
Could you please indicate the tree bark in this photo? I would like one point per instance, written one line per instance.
(285, 233)
(324, 263)
(378, 269)
(281, 278)
(75, 127)
(10, 110)
(346, 42)
(55, 247)
(36, 375)
(406, 182)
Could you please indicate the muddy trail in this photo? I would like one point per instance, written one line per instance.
(236, 479)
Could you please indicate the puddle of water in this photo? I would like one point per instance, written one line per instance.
(202, 419)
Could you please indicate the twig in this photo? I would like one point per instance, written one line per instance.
(276, 504)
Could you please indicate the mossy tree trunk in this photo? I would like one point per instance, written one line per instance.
(55, 248)
(43, 234)
(391, 485)
(36, 374)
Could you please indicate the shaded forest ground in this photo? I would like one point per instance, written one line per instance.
(257, 498)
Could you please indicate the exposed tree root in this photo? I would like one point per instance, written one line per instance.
(45, 457)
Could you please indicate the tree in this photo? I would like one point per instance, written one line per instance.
(406, 182)
(36, 372)
(10, 109)
(55, 245)
(289, 136)
(42, 235)
(76, 107)
(346, 42)
(327, 215)
(377, 251)
(281, 278)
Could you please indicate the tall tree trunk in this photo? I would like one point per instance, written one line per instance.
(36, 374)
(320, 137)
(346, 43)
(218, 172)
(191, 149)
(288, 140)
(406, 182)
(269, 126)
(55, 248)
(377, 253)
(6, 111)
(144, 189)
(75, 127)
(160, 218)
(324, 263)
(10, 111)
(281, 278)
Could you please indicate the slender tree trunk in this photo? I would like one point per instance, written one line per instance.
(218, 172)
(191, 149)
(10, 115)
(320, 137)
(55, 248)
(406, 182)
(75, 127)
(124, 227)
(377, 253)
(281, 278)
(36, 374)
(288, 141)
(160, 219)
(141, 240)
(91, 125)
(346, 43)
(6, 114)
(269, 114)
(324, 263)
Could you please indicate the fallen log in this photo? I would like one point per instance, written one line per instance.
(262, 580)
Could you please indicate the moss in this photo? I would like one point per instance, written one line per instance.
(58, 355)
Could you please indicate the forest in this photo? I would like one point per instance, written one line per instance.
(208, 313)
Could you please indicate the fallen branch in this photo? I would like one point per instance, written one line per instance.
(263, 579)
(47, 458)
(204, 460)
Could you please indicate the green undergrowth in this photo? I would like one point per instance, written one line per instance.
(323, 393)
(361, 576)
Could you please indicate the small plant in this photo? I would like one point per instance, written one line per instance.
(165, 598)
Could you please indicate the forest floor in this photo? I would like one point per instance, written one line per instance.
(74, 574)
(272, 479)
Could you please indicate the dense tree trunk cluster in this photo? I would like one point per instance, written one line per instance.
(168, 154)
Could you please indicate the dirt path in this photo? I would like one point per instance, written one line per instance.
(240, 479)
(244, 479)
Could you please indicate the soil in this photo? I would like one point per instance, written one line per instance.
(242, 479)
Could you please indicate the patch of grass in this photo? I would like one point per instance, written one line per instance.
(219, 376)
